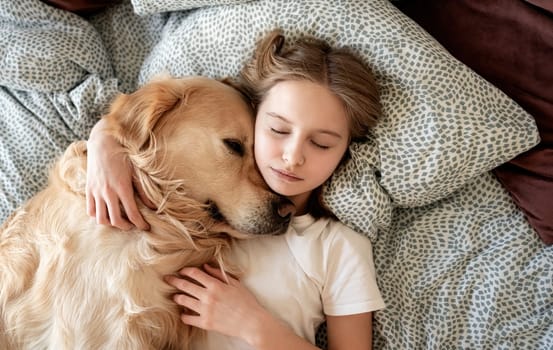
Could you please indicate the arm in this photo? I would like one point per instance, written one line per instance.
(109, 182)
(229, 308)
(352, 332)
(350, 290)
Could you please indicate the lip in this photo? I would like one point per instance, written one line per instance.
(285, 175)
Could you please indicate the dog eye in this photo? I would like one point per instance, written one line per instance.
(234, 146)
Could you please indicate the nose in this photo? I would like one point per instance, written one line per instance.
(293, 153)
(284, 208)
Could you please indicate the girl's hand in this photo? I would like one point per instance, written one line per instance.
(221, 303)
(213, 301)
(109, 183)
(216, 302)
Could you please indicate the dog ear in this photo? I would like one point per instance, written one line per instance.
(132, 118)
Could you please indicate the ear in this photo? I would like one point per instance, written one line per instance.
(132, 118)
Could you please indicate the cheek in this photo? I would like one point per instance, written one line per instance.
(265, 147)
(259, 148)
(326, 170)
(328, 164)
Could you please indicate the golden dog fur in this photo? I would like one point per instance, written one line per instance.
(68, 283)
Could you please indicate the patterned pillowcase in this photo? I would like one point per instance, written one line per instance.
(525, 43)
(148, 7)
(442, 124)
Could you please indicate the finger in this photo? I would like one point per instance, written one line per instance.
(101, 213)
(90, 204)
(198, 275)
(185, 286)
(133, 214)
(192, 320)
(143, 197)
(115, 217)
(218, 273)
(188, 302)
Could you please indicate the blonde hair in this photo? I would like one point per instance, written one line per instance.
(338, 68)
(314, 60)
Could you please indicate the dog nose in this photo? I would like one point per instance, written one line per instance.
(285, 208)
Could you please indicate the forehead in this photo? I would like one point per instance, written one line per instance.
(221, 107)
(210, 110)
(307, 104)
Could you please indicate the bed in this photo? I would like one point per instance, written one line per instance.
(460, 260)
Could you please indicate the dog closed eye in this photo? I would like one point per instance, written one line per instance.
(235, 146)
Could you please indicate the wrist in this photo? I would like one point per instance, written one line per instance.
(99, 134)
(267, 332)
(261, 330)
(100, 139)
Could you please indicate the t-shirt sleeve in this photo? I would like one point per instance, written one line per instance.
(350, 283)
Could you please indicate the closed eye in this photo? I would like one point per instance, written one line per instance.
(235, 146)
(279, 131)
(319, 145)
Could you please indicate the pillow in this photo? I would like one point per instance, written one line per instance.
(148, 7)
(442, 124)
(511, 46)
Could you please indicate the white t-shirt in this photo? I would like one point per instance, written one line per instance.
(317, 268)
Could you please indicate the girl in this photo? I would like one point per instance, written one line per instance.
(312, 101)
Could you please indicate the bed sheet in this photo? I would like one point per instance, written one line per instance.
(464, 270)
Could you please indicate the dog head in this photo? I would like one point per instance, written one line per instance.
(192, 139)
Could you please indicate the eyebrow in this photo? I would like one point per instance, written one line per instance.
(323, 131)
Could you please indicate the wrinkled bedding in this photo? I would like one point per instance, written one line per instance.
(457, 262)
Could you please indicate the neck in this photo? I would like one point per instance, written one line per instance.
(300, 202)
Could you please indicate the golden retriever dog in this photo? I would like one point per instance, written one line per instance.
(68, 283)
